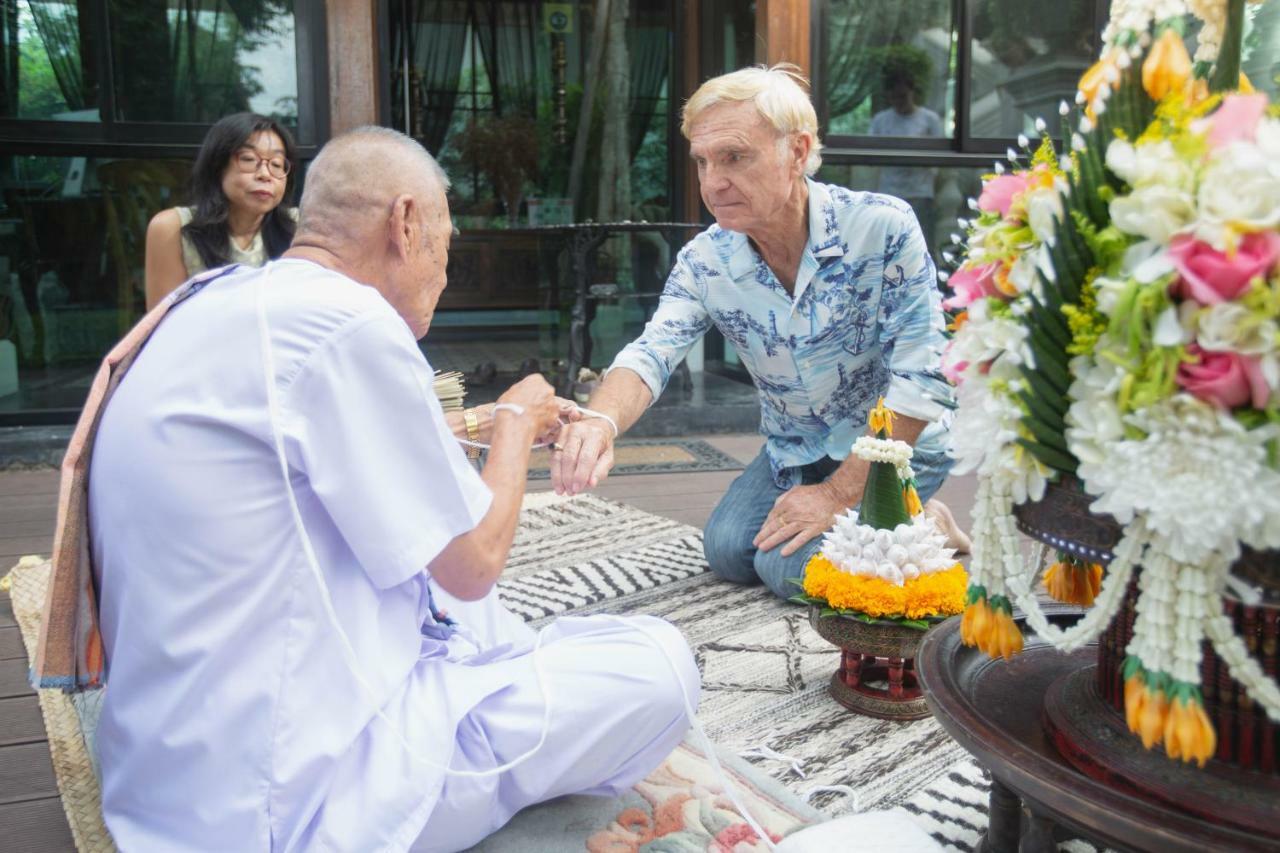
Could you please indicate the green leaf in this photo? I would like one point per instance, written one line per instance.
(883, 506)
(918, 624)
(1226, 72)
(1055, 459)
(796, 582)
(827, 611)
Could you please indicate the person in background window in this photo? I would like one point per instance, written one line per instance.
(242, 176)
(905, 75)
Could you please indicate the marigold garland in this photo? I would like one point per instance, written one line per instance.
(937, 594)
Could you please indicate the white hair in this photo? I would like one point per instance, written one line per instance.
(779, 95)
(358, 172)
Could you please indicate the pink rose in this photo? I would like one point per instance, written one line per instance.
(1226, 379)
(998, 193)
(1236, 119)
(953, 370)
(972, 284)
(1210, 276)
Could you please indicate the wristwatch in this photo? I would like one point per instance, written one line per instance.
(473, 432)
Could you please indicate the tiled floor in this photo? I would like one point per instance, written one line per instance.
(30, 811)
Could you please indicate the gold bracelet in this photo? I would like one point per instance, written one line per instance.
(473, 431)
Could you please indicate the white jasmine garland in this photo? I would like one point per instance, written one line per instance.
(872, 449)
(1242, 665)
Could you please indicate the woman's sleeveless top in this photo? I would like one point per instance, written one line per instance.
(254, 256)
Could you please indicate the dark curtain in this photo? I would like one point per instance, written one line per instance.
(650, 58)
(9, 59)
(433, 35)
(508, 31)
(58, 24)
(857, 32)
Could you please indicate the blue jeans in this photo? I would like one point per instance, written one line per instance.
(741, 512)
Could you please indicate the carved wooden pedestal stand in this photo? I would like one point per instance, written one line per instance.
(877, 674)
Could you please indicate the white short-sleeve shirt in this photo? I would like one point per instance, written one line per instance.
(230, 721)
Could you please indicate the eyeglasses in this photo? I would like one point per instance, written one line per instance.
(248, 162)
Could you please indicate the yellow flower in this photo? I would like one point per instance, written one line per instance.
(960, 320)
(1196, 91)
(990, 627)
(881, 418)
(1167, 67)
(936, 594)
(912, 498)
(1135, 691)
(1101, 73)
(1245, 87)
(1188, 734)
(974, 622)
(1151, 718)
(1003, 637)
(1073, 582)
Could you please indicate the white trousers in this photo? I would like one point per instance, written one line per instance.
(617, 688)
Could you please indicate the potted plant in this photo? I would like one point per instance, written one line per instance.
(505, 150)
(884, 576)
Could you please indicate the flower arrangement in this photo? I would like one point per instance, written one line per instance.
(889, 563)
(1120, 323)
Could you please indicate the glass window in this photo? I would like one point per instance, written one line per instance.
(72, 233)
(1261, 59)
(940, 194)
(49, 70)
(198, 60)
(888, 68)
(494, 88)
(1026, 59)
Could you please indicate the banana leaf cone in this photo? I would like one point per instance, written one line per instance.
(883, 504)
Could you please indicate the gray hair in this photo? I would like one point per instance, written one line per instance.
(778, 93)
(358, 172)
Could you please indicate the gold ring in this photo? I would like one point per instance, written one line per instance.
(555, 446)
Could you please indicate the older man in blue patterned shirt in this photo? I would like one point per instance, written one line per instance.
(830, 299)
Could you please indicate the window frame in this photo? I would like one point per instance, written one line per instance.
(113, 138)
(959, 149)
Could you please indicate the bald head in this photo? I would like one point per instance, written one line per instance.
(374, 209)
(357, 175)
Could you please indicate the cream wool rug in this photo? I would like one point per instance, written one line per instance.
(765, 675)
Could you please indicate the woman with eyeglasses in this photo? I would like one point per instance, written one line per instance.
(243, 173)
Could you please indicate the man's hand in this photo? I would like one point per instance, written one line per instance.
(799, 515)
(539, 401)
(581, 456)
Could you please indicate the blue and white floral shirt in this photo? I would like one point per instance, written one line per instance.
(865, 321)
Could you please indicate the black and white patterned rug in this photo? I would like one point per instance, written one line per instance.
(764, 670)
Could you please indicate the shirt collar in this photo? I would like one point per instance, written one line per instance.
(824, 235)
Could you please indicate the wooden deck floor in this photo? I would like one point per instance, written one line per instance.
(31, 815)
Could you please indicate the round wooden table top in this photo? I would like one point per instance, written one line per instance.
(994, 709)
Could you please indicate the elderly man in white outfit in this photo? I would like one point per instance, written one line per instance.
(295, 669)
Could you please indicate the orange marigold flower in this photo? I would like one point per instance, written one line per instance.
(937, 594)
(1167, 67)
(1074, 582)
(1188, 733)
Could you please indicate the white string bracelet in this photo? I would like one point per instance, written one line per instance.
(517, 409)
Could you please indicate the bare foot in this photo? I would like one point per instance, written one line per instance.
(941, 515)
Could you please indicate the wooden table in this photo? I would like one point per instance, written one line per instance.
(994, 709)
